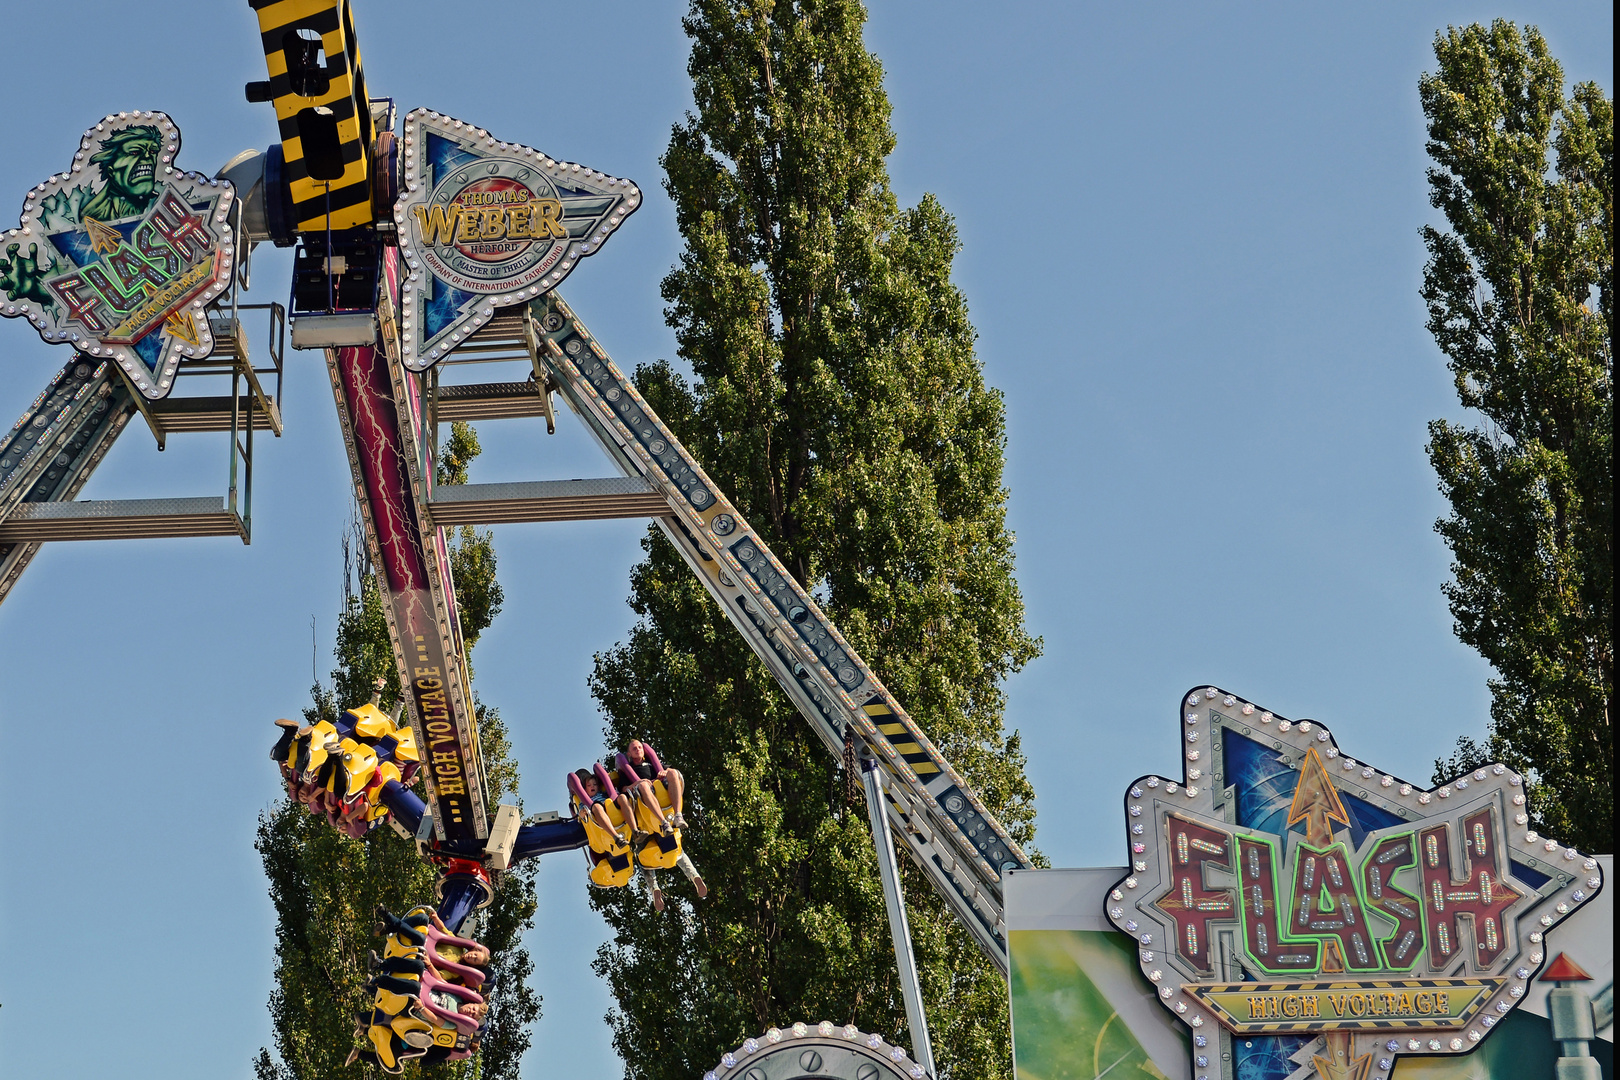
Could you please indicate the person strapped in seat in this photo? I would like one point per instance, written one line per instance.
(426, 1003)
(661, 791)
(607, 817)
(338, 768)
(659, 801)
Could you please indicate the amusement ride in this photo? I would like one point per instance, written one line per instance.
(423, 244)
(1283, 900)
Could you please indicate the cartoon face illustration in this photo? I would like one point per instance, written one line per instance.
(128, 163)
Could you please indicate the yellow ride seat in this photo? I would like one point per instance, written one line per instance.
(371, 722)
(660, 852)
(609, 854)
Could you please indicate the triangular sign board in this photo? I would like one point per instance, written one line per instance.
(485, 224)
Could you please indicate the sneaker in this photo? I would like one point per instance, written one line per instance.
(702, 889)
(679, 820)
(638, 838)
(667, 828)
(658, 899)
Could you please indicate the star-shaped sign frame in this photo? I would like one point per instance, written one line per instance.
(1282, 889)
(120, 255)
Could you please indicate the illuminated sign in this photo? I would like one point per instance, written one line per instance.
(1293, 903)
(120, 255)
(486, 224)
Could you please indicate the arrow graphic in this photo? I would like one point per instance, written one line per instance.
(1316, 802)
(184, 327)
(1339, 1065)
(103, 238)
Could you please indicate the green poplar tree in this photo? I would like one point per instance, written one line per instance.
(1521, 301)
(838, 401)
(326, 887)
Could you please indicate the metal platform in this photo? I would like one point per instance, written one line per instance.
(178, 415)
(504, 337)
(509, 336)
(121, 519)
(489, 401)
(547, 500)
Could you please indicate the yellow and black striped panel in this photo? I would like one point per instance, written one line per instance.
(347, 197)
(900, 737)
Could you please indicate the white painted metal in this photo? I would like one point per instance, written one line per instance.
(894, 900)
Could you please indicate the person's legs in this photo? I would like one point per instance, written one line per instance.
(644, 791)
(395, 985)
(599, 816)
(675, 784)
(650, 877)
(684, 865)
(627, 810)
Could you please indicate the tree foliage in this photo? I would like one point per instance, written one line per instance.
(1520, 299)
(837, 399)
(326, 887)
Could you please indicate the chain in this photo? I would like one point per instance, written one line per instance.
(849, 766)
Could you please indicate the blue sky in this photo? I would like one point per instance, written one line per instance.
(1190, 247)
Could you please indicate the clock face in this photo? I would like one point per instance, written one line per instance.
(817, 1052)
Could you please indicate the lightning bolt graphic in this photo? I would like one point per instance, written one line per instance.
(380, 420)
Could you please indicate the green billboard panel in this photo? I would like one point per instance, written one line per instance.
(1080, 1006)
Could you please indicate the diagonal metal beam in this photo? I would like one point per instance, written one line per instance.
(947, 830)
(55, 447)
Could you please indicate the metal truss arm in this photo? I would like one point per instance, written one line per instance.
(50, 454)
(947, 830)
(380, 410)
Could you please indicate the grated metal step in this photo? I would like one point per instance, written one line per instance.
(194, 414)
(489, 401)
(547, 500)
(120, 519)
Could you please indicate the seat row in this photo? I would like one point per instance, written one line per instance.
(632, 824)
(426, 1002)
(339, 767)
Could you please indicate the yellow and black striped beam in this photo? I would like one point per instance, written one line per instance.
(901, 737)
(322, 109)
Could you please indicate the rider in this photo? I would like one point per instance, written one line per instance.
(598, 804)
(643, 773)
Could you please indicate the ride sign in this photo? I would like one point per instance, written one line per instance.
(124, 252)
(486, 224)
(1328, 914)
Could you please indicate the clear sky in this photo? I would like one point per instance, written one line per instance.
(1190, 246)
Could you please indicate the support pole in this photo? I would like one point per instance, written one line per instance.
(461, 895)
(910, 990)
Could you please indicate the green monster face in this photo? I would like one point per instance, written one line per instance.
(128, 163)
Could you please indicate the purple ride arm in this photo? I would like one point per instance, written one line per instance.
(406, 806)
